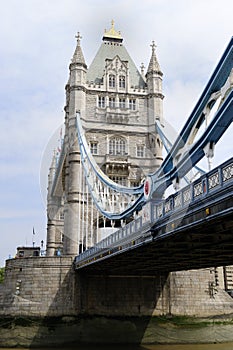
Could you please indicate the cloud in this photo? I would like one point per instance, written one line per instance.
(180, 98)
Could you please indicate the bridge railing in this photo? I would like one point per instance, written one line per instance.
(154, 211)
(122, 235)
(203, 186)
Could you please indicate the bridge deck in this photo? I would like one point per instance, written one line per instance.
(199, 235)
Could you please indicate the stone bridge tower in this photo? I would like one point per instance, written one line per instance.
(118, 106)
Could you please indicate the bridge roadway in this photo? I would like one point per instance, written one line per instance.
(191, 229)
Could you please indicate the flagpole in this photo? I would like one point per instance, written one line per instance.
(33, 236)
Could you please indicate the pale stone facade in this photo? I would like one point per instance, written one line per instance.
(118, 105)
(49, 286)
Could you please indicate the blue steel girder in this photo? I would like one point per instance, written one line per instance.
(179, 161)
(87, 156)
(168, 144)
(215, 83)
(212, 134)
(92, 172)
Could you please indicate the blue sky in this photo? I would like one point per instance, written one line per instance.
(37, 40)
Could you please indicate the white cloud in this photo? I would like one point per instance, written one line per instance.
(180, 100)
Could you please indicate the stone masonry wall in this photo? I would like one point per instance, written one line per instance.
(194, 293)
(123, 295)
(38, 286)
(190, 293)
(49, 286)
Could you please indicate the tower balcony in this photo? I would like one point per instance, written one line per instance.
(116, 115)
(122, 159)
(117, 164)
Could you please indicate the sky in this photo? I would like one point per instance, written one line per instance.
(37, 41)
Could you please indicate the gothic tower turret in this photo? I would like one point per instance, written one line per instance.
(75, 101)
(155, 97)
(54, 211)
(118, 105)
(78, 70)
(154, 77)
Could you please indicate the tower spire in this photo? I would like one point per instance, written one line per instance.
(154, 64)
(154, 77)
(52, 171)
(112, 34)
(78, 54)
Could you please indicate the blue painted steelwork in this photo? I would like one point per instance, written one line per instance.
(167, 172)
(206, 184)
(92, 170)
(138, 231)
(184, 154)
(215, 83)
(168, 145)
(88, 159)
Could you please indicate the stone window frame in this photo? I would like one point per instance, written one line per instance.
(122, 102)
(112, 102)
(112, 81)
(93, 147)
(117, 146)
(101, 101)
(122, 81)
(140, 150)
(132, 104)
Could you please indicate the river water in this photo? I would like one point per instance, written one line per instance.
(226, 346)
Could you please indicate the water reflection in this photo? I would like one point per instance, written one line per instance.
(226, 346)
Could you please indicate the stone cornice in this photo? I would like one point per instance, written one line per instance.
(155, 94)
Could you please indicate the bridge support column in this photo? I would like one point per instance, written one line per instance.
(188, 293)
(124, 295)
(70, 246)
(72, 215)
(51, 236)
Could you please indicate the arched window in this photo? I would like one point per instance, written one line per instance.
(117, 146)
(112, 81)
(122, 81)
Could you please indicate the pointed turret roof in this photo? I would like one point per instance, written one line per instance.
(111, 47)
(53, 164)
(154, 64)
(52, 170)
(78, 54)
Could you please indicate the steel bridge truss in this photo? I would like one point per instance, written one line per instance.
(214, 108)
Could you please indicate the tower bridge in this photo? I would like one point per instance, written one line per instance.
(117, 245)
(191, 229)
(110, 167)
(106, 192)
(159, 243)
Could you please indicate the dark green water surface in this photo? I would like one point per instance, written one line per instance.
(225, 346)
